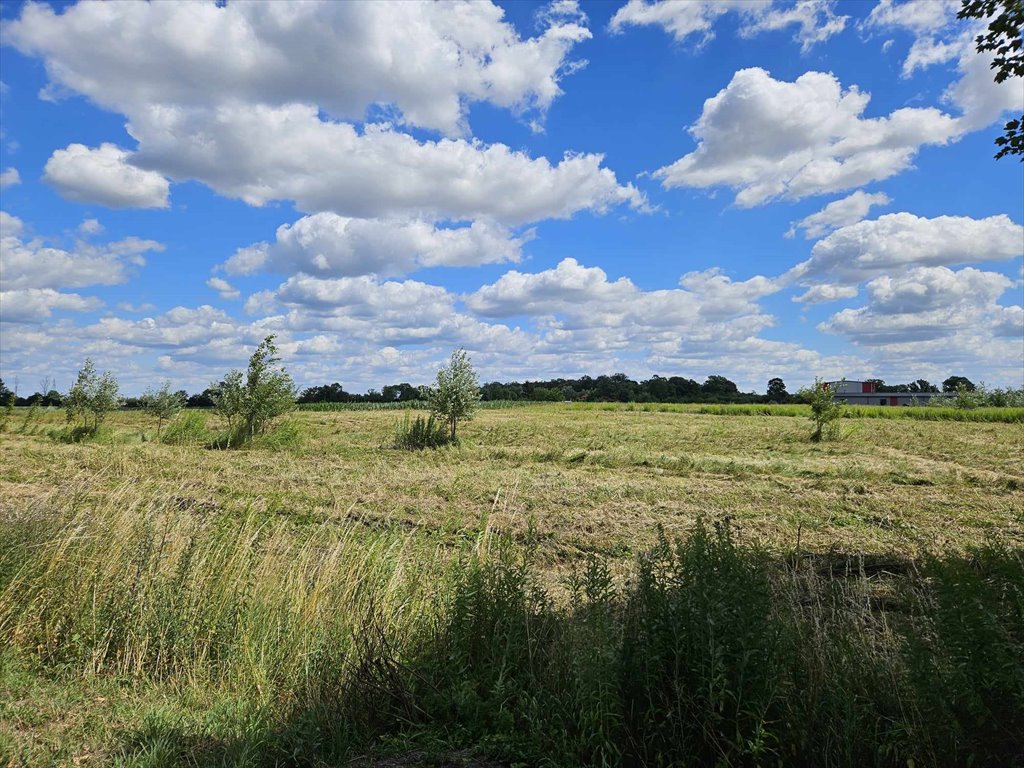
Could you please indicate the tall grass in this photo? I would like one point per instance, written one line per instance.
(709, 652)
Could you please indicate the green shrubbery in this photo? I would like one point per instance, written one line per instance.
(92, 397)
(250, 402)
(825, 411)
(421, 432)
(189, 428)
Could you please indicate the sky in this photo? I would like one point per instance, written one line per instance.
(744, 188)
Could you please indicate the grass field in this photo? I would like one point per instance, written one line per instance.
(324, 595)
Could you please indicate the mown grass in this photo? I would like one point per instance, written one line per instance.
(1009, 415)
(408, 405)
(326, 596)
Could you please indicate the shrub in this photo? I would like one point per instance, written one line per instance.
(162, 404)
(249, 403)
(825, 411)
(420, 433)
(188, 429)
(93, 396)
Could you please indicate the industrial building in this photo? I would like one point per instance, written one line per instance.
(865, 393)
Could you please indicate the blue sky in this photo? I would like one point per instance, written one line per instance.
(752, 189)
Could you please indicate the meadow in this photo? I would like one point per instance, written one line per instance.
(569, 585)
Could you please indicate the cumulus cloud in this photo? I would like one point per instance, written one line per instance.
(429, 60)
(90, 227)
(259, 153)
(815, 20)
(838, 213)
(585, 309)
(825, 292)
(898, 241)
(920, 18)
(104, 176)
(33, 264)
(770, 139)
(922, 304)
(939, 37)
(224, 288)
(9, 178)
(328, 245)
(34, 272)
(251, 99)
(34, 305)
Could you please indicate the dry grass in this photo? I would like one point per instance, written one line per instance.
(589, 480)
(172, 603)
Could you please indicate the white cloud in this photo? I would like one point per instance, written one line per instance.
(898, 241)
(328, 245)
(249, 99)
(259, 154)
(922, 304)
(105, 176)
(918, 17)
(929, 321)
(825, 292)
(10, 226)
(90, 227)
(33, 272)
(981, 100)
(582, 309)
(838, 213)
(9, 178)
(815, 19)
(430, 60)
(33, 264)
(771, 139)
(940, 37)
(34, 305)
(224, 288)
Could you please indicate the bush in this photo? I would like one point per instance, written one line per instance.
(162, 404)
(420, 433)
(188, 429)
(251, 402)
(825, 411)
(93, 395)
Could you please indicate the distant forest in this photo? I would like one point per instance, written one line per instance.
(615, 388)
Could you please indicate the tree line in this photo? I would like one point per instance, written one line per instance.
(616, 387)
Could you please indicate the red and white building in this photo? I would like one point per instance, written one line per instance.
(864, 393)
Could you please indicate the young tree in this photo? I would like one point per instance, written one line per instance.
(825, 410)
(251, 401)
(269, 390)
(228, 397)
(456, 392)
(163, 404)
(93, 395)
